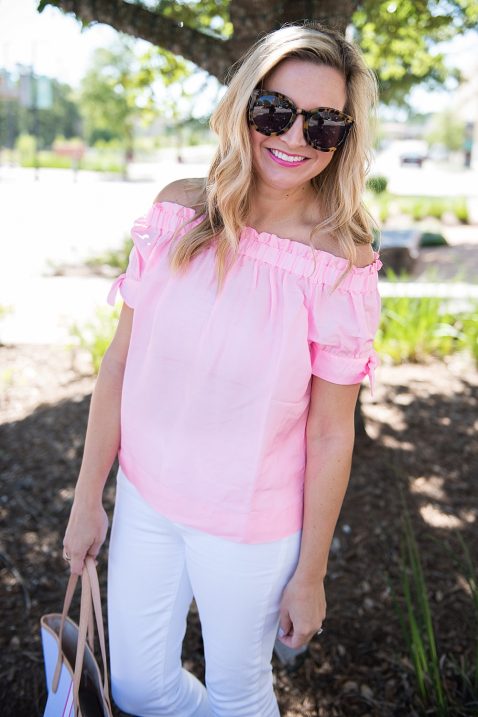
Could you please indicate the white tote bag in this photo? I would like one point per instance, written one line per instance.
(73, 677)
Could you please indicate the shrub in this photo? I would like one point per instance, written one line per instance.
(377, 184)
(421, 207)
(117, 259)
(95, 336)
(461, 210)
(469, 331)
(26, 147)
(414, 328)
(432, 239)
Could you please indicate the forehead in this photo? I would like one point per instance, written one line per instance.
(308, 84)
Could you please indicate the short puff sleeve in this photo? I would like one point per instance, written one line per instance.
(149, 233)
(343, 324)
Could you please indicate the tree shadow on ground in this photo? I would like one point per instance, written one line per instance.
(423, 440)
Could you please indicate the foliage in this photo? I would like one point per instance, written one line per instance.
(416, 621)
(121, 87)
(95, 336)
(207, 15)
(468, 325)
(397, 38)
(26, 147)
(414, 612)
(461, 210)
(422, 207)
(109, 94)
(92, 162)
(432, 239)
(62, 118)
(468, 674)
(117, 259)
(447, 129)
(418, 207)
(413, 328)
(377, 184)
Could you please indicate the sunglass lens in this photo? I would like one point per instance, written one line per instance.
(270, 114)
(326, 130)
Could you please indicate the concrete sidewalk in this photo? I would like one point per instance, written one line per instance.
(44, 308)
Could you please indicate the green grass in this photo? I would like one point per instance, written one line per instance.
(438, 694)
(117, 259)
(50, 160)
(418, 207)
(468, 325)
(417, 624)
(415, 328)
(95, 336)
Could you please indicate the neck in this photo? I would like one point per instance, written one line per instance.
(273, 205)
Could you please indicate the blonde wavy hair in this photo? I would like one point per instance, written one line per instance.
(230, 182)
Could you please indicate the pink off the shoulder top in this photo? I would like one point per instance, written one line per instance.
(217, 385)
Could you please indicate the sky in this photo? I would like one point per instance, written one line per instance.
(47, 39)
(56, 46)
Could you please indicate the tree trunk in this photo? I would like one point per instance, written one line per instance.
(333, 13)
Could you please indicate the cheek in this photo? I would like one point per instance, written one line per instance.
(256, 139)
(322, 160)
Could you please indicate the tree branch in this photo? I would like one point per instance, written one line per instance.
(250, 19)
(209, 52)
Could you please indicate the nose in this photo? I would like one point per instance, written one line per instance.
(294, 136)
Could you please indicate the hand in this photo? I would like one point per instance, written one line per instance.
(85, 533)
(302, 611)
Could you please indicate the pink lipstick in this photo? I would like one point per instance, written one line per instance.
(284, 163)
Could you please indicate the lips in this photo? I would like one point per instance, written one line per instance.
(285, 162)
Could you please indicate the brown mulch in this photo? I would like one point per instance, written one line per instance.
(422, 440)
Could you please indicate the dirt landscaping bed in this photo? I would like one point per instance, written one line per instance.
(422, 438)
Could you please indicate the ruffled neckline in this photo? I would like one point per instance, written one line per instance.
(294, 256)
(301, 249)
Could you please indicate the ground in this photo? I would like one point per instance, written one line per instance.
(422, 438)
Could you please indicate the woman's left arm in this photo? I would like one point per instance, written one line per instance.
(330, 440)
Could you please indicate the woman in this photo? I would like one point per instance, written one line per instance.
(250, 308)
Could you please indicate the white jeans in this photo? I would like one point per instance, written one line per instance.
(155, 568)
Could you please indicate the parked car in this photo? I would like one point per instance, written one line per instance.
(413, 152)
(412, 158)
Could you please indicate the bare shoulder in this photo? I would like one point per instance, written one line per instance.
(363, 252)
(187, 192)
(365, 255)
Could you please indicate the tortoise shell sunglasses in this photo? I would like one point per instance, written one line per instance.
(272, 113)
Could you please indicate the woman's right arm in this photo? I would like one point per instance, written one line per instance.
(88, 523)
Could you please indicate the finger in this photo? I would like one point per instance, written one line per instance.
(77, 563)
(94, 549)
(295, 641)
(285, 626)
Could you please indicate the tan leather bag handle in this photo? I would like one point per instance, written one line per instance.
(90, 610)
